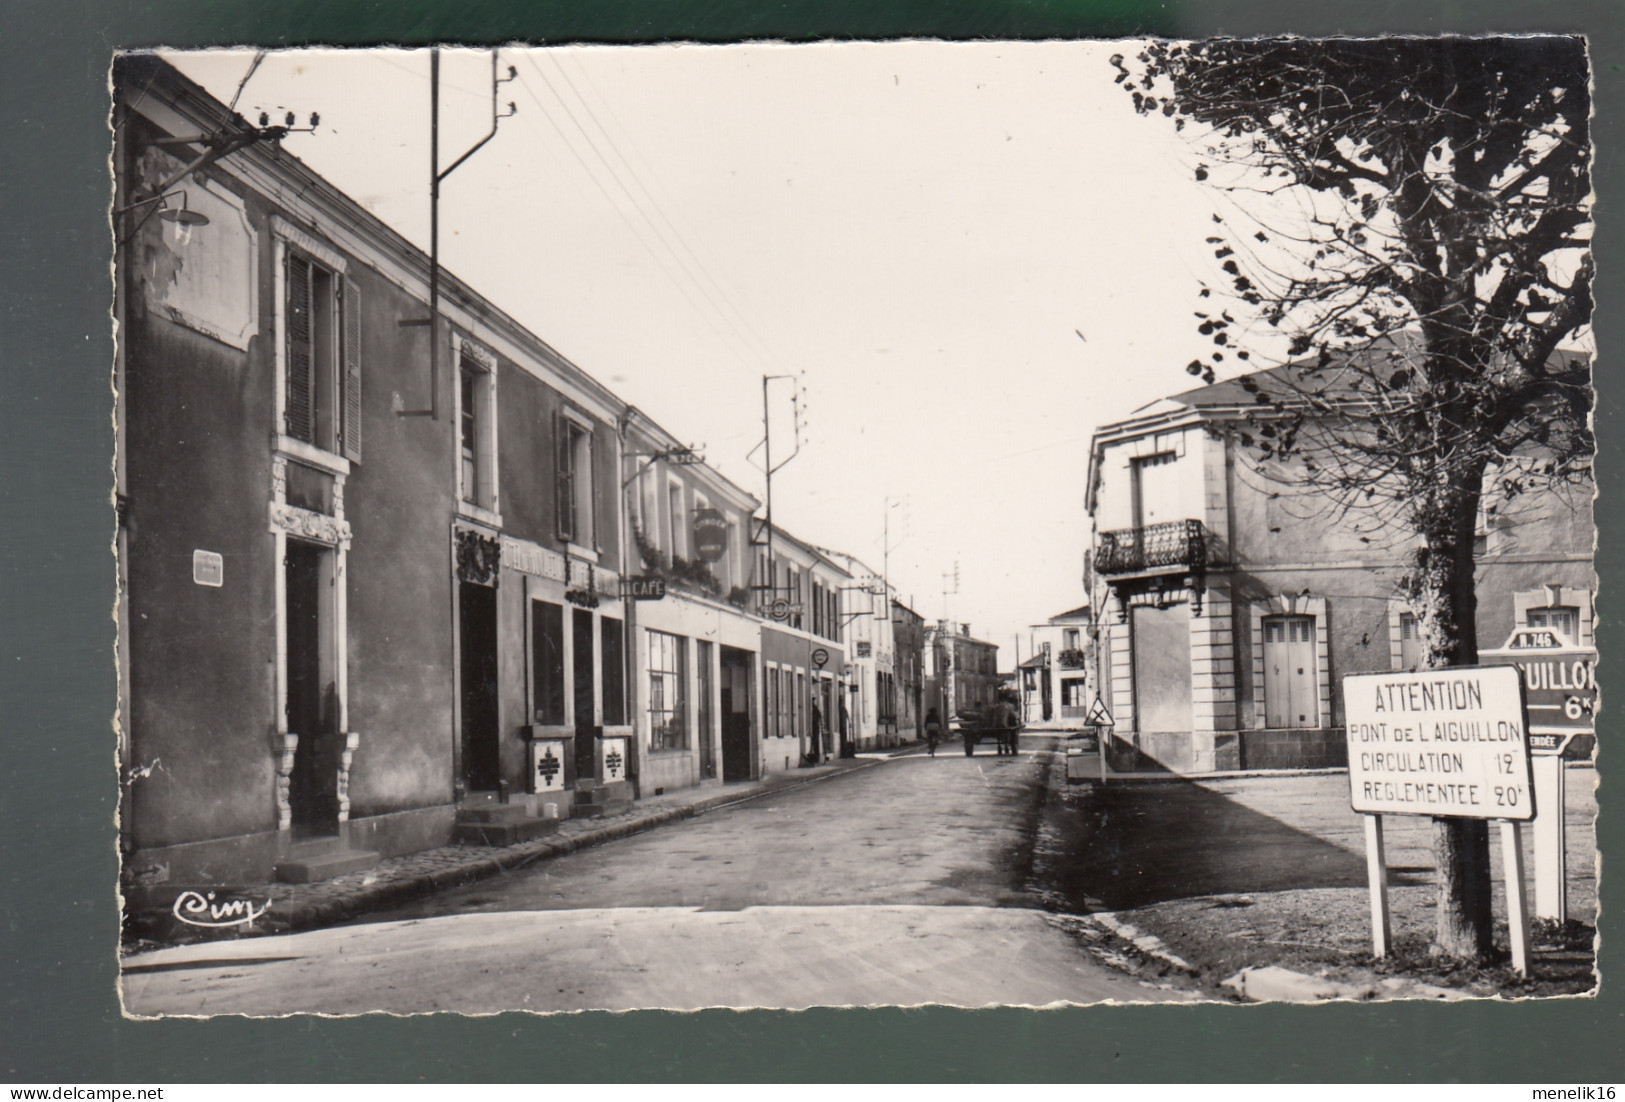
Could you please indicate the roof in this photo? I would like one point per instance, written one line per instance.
(1036, 662)
(1082, 612)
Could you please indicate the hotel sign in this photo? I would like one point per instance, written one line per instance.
(1447, 742)
(710, 534)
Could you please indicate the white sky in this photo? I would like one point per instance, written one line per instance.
(922, 228)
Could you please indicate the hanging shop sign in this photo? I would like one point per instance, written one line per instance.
(820, 657)
(644, 587)
(710, 534)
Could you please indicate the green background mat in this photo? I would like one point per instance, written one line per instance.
(58, 920)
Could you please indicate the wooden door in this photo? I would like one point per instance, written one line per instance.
(1290, 696)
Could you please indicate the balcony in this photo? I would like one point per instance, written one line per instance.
(1176, 545)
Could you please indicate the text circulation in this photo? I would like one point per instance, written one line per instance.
(1439, 742)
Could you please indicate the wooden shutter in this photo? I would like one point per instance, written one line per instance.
(299, 412)
(563, 489)
(350, 433)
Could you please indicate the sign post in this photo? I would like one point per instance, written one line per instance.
(1446, 743)
(1562, 692)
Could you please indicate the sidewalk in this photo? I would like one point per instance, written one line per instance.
(1238, 877)
(294, 907)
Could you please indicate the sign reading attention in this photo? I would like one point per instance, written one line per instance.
(1448, 742)
(710, 534)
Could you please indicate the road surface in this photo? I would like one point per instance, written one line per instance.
(901, 883)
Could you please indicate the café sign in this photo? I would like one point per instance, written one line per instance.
(644, 587)
(1445, 742)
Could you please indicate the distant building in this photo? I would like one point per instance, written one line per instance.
(1057, 685)
(964, 670)
(908, 634)
(798, 593)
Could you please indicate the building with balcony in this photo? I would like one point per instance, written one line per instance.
(1233, 597)
(697, 648)
(1056, 683)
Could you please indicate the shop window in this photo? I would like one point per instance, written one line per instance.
(668, 680)
(547, 662)
(322, 381)
(612, 643)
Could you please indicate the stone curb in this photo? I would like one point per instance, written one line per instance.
(326, 912)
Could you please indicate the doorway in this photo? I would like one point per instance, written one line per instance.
(1162, 668)
(312, 702)
(477, 623)
(1290, 699)
(582, 671)
(736, 699)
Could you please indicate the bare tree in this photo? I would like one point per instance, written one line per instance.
(1411, 217)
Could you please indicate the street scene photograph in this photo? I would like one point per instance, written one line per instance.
(854, 524)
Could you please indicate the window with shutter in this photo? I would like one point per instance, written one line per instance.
(299, 413)
(350, 432)
(564, 479)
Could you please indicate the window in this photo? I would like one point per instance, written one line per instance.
(1410, 642)
(1156, 489)
(668, 678)
(1069, 639)
(547, 662)
(612, 644)
(476, 432)
(575, 481)
(1562, 619)
(783, 728)
(322, 330)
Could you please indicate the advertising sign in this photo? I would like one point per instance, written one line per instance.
(1448, 742)
(710, 534)
(820, 657)
(1560, 682)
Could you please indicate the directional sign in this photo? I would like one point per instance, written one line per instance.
(1560, 680)
(1448, 742)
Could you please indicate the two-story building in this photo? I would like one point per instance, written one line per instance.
(872, 694)
(1234, 596)
(357, 579)
(697, 648)
(798, 591)
(1055, 683)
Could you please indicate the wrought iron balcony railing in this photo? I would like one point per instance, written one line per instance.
(1154, 547)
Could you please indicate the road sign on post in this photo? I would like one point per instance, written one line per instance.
(1560, 682)
(1448, 743)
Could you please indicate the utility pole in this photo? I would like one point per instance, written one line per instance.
(435, 178)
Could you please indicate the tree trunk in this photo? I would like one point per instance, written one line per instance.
(1445, 600)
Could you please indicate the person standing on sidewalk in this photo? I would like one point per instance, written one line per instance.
(933, 731)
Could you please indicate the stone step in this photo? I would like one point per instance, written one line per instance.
(308, 870)
(491, 814)
(502, 834)
(604, 794)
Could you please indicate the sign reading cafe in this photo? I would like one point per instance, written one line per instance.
(1445, 742)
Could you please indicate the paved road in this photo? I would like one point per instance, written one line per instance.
(905, 882)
